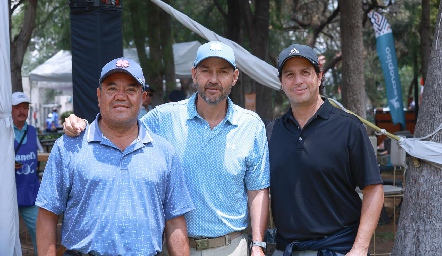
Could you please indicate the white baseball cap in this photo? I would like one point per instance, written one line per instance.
(19, 97)
(215, 49)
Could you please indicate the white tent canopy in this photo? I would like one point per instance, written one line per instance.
(57, 71)
(183, 56)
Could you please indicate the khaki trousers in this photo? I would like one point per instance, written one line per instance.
(238, 247)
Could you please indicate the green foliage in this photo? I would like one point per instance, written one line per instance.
(65, 115)
(17, 17)
(50, 95)
(51, 33)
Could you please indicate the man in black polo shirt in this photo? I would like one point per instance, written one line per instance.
(318, 156)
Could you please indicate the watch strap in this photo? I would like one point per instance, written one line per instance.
(260, 244)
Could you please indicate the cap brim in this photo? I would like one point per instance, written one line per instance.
(316, 66)
(196, 64)
(118, 70)
(20, 102)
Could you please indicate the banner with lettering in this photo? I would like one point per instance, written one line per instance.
(387, 57)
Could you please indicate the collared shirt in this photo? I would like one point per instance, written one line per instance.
(315, 170)
(114, 202)
(220, 164)
(19, 133)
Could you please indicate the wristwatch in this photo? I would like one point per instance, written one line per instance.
(260, 244)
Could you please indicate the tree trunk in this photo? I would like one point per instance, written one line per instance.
(167, 51)
(419, 228)
(20, 43)
(155, 65)
(139, 37)
(257, 29)
(425, 37)
(353, 85)
(233, 32)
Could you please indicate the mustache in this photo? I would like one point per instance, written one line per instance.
(213, 86)
(121, 104)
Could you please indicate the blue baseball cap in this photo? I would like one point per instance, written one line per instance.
(215, 49)
(123, 65)
(298, 50)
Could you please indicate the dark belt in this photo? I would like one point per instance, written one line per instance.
(75, 253)
(204, 243)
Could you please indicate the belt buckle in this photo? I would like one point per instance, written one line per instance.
(202, 244)
(228, 240)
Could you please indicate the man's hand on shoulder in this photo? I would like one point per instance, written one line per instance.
(73, 125)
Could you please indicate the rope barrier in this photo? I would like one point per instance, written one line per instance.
(376, 128)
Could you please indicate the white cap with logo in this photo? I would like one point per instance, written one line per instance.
(19, 97)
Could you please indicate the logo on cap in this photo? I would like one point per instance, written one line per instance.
(216, 47)
(122, 63)
(294, 50)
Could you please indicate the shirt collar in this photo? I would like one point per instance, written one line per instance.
(231, 116)
(93, 132)
(25, 127)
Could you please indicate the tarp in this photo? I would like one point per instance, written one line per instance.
(429, 151)
(9, 224)
(183, 56)
(257, 69)
(56, 71)
(387, 56)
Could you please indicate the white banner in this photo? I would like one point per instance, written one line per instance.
(9, 226)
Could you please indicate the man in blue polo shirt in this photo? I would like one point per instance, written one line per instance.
(119, 185)
(224, 153)
(318, 156)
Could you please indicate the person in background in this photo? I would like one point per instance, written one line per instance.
(146, 104)
(119, 186)
(55, 123)
(319, 154)
(26, 178)
(224, 152)
(176, 95)
(49, 125)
